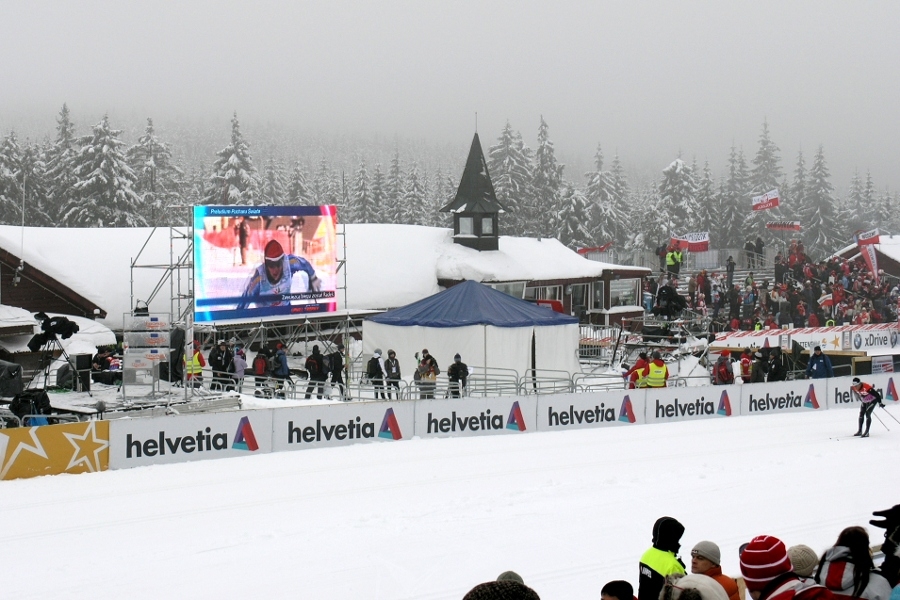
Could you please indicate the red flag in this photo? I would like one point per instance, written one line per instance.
(695, 242)
(868, 237)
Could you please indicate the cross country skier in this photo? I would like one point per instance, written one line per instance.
(870, 397)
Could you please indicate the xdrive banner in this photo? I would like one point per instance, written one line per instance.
(476, 416)
(579, 411)
(326, 425)
(177, 438)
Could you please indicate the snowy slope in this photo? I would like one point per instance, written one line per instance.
(428, 519)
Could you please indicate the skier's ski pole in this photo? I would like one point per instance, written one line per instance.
(880, 421)
(892, 416)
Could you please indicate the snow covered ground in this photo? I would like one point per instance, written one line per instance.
(428, 519)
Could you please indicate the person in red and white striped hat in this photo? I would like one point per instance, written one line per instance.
(769, 575)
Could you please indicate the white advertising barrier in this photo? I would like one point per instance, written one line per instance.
(839, 395)
(183, 438)
(147, 323)
(784, 396)
(342, 424)
(475, 416)
(578, 411)
(144, 358)
(147, 339)
(665, 405)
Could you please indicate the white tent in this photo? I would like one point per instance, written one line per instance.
(486, 327)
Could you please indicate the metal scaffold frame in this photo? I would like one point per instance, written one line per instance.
(178, 276)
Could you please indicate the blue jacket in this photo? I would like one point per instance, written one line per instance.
(819, 367)
(281, 370)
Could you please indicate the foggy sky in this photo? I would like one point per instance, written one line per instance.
(645, 79)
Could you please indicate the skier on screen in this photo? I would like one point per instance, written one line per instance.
(275, 275)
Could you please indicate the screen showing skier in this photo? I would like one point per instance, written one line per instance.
(254, 261)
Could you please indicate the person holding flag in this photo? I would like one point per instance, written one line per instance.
(870, 397)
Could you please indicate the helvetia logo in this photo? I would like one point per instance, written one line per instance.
(891, 392)
(724, 405)
(810, 400)
(390, 429)
(515, 421)
(245, 439)
(626, 413)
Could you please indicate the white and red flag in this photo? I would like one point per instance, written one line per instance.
(873, 236)
(695, 242)
(766, 201)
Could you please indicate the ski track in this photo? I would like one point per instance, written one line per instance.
(429, 519)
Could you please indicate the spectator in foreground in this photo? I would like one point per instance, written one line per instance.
(661, 559)
(501, 590)
(769, 575)
(692, 587)
(617, 590)
(890, 568)
(804, 559)
(847, 568)
(706, 559)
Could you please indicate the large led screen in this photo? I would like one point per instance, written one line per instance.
(253, 261)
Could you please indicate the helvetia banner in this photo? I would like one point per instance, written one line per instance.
(184, 438)
(327, 425)
(54, 449)
(579, 411)
(802, 395)
(476, 416)
(766, 201)
(686, 403)
(253, 261)
(841, 395)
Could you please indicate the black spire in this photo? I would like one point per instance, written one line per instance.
(476, 192)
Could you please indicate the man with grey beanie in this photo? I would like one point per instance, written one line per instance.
(706, 560)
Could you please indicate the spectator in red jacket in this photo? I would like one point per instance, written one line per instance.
(768, 573)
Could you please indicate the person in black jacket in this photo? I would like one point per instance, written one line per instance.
(661, 560)
(458, 374)
(777, 371)
(317, 375)
(337, 371)
(392, 373)
(220, 359)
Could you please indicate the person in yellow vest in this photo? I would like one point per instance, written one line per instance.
(657, 372)
(193, 369)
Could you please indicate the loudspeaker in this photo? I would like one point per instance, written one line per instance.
(82, 362)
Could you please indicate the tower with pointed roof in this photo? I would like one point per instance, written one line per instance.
(475, 208)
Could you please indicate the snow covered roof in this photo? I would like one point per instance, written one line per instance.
(386, 265)
(889, 246)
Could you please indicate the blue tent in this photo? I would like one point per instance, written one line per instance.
(486, 327)
(472, 303)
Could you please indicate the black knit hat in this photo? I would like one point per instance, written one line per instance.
(501, 590)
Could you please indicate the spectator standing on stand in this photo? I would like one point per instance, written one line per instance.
(193, 369)
(458, 374)
(220, 360)
(315, 366)
(759, 247)
(337, 371)
(392, 370)
(375, 373)
(819, 365)
(238, 368)
(428, 371)
(723, 373)
(281, 372)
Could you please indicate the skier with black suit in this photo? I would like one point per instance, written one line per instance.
(869, 398)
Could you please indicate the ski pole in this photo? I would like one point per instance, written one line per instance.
(892, 416)
(880, 421)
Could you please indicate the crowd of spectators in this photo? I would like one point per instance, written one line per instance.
(769, 570)
(802, 292)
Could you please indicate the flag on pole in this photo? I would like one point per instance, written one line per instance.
(783, 225)
(766, 201)
(872, 236)
(695, 242)
(868, 252)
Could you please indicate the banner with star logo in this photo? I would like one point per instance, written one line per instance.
(54, 449)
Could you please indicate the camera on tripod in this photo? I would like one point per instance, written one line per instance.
(51, 327)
